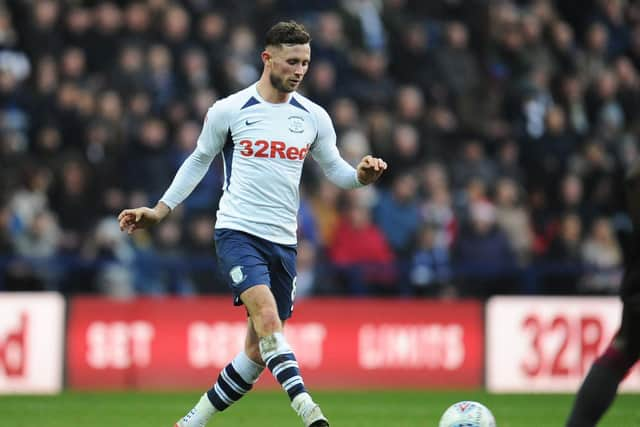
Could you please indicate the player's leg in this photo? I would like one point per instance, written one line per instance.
(243, 266)
(282, 274)
(277, 354)
(238, 377)
(234, 381)
(600, 386)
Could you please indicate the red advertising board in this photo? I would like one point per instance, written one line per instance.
(183, 343)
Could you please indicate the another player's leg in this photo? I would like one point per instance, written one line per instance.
(278, 355)
(233, 382)
(600, 386)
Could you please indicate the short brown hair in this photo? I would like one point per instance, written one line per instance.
(289, 32)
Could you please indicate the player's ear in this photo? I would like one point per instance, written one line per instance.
(266, 57)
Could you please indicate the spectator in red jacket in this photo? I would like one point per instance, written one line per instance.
(360, 253)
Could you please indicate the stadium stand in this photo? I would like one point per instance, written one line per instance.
(506, 139)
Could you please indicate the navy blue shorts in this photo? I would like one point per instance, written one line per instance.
(246, 260)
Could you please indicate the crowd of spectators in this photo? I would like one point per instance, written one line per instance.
(507, 126)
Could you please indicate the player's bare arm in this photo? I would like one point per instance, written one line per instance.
(370, 169)
(143, 217)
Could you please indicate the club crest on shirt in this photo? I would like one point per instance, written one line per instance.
(296, 124)
(237, 275)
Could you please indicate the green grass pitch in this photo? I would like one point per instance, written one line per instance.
(271, 408)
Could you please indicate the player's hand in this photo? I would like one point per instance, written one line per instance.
(370, 168)
(135, 219)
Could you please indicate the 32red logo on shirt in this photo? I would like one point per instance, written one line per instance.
(272, 150)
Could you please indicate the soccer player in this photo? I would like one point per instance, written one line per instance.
(601, 383)
(264, 133)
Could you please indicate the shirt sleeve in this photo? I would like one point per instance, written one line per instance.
(325, 152)
(210, 142)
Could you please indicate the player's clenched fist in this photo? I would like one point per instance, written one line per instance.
(134, 219)
(370, 168)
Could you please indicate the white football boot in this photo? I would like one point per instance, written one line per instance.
(198, 416)
(309, 411)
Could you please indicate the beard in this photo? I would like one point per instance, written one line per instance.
(279, 83)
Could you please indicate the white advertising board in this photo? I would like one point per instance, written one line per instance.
(31, 342)
(547, 344)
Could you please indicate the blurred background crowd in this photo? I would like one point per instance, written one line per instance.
(507, 126)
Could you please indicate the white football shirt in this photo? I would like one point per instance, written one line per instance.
(264, 146)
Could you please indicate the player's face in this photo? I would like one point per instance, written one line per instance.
(289, 64)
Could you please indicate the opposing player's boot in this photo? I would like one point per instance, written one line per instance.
(309, 411)
(198, 416)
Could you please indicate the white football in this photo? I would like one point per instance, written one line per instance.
(467, 414)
